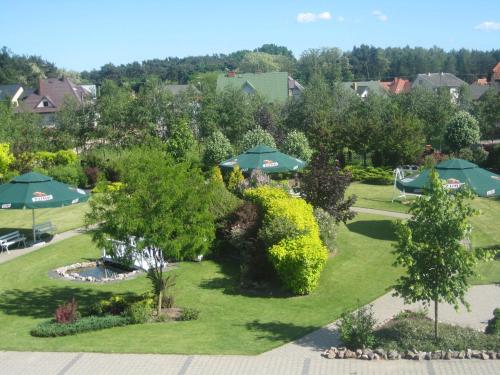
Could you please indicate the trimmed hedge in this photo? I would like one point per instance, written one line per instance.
(91, 323)
(370, 175)
(298, 258)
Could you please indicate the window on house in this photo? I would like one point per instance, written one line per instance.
(45, 103)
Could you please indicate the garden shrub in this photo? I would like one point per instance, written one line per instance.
(327, 228)
(67, 312)
(356, 329)
(115, 305)
(86, 324)
(221, 201)
(277, 228)
(299, 257)
(494, 323)
(371, 175)
(140, 312)
(216, 174)
(217, 148)
(65, 157)
(44, 159)
(189, 314)
(235, 179)
(93, 174)
(69, 174)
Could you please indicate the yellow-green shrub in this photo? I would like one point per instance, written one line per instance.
(298, 259)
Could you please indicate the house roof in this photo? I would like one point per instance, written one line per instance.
(8, 91)
(496, 72)
(177, 89)
(435, 80)
(360, 87)
(55, 90)
(477, 90)
(272, 85)
(397, 85)
(496, 69)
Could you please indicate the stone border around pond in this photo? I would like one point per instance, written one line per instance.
(64, 273)
(381, 354)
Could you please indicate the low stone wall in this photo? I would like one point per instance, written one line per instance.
(381, 354)
(65, 273)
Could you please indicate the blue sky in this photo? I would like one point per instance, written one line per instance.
(78, 35)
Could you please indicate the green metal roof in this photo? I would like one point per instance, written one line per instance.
(272, 85)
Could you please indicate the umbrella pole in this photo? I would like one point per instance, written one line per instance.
(33, 215)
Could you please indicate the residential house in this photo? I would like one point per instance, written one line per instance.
(50, 97)
(12, 93)
(481, 85)
(179, 89)
(274, 86)
(436, 81)
(365, 88)
(397, 85)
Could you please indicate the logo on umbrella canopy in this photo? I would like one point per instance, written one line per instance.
(39, 196)
(269, 164)
(453, 183)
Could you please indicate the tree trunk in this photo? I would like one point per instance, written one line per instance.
(435, 319)
(160, 297)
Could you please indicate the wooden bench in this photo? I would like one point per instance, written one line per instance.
(44, 228)
(11, 239)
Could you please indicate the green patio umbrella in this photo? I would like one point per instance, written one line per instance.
(266, 159)
(456, 172)
(34, 190)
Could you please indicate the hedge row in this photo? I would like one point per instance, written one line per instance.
(299, 257)
(370, 175)
(91, 323)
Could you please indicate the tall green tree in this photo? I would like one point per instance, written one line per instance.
(487, 111)
(163, 204)
(462, 131)
(430, 247)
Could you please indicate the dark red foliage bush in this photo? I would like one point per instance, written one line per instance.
(67, 312)
(92, 174)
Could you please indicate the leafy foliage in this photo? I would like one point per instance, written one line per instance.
(357, 328)
(462, 131)
(6, 159)
(139, 312)
(429, 247)
(67, 312)
(235, 179)
(327, 228)
(370, 175)
(324, 185)
(256, 137)
(297, 145)
(217, 149)
(86, 324)
(189, 314)
(299, 256)
(493, 326)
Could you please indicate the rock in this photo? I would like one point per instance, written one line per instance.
(476, 354)
(331, 355)
(448, 355)
(341, 354)
(392, 355)
(359, 352)
(461, 354)
(364, 356)
(375, 357)
(427, 356)
(381, 352)
(484, 355)
(436, 355)
(492, 354)
(468, 354)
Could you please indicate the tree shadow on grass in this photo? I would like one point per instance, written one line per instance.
(312, 337)
(42, 302)
(230, 283)
(377, 229)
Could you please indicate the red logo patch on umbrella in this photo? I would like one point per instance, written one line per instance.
(453, 183)
(39, 196)
(269, 164)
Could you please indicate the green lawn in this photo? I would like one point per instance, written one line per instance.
(64, 218)
(230, 323)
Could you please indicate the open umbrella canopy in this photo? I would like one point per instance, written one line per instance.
(34, 190)
(265, 158)
(456, 172)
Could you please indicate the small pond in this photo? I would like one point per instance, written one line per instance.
(94, 271)
(99, 271)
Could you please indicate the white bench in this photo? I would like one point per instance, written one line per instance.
(11, 239)
(43, 228)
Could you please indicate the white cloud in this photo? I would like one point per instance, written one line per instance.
(381, 16)
(340, 19)
(488, 26)
(307, 17)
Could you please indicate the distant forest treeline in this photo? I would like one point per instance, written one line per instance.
(362, 63)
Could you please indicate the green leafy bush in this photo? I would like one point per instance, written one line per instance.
(115, 305)
(370, 175)
(256, 137)
(357, 328)
(235, 179)
(494, 323)
(69, 174)
(327, 228)
(65, 157)
(140, 312)
(189, 314)
(217, 149)
(90, 323)
(297, 145)
(299, 256)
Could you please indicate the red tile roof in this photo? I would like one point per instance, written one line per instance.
(496, 73)
(481, 81)
(397, 85)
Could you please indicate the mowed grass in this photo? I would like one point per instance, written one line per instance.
(64, 218)
(486, 226)
(230, 322)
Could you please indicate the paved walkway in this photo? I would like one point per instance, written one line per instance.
(373, 211)
(14, 252)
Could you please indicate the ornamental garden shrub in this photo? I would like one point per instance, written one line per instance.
(67, 312)
(299, 256)
(494, 323)
(371, 175)
(357, 328)
(189, 314)
(86, 324)
(140, 312)
(327, 228)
